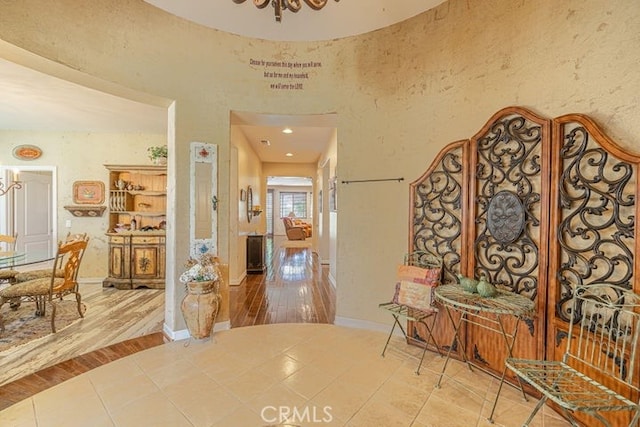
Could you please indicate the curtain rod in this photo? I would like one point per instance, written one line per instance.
(374, 180)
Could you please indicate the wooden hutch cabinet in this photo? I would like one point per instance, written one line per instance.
(136, 234)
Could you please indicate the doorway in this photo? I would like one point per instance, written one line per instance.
(31, 210)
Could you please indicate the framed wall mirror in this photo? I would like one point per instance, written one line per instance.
(249, 204)
(204, 199)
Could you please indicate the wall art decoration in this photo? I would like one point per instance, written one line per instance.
(27, 152)
(88, 192)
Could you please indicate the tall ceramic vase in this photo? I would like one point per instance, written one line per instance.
(200, 307)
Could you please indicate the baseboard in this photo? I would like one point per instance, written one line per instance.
(183, 334)
(364, 324)
(238, 281)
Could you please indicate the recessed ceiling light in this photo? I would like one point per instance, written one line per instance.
(287, 130)
(289, 155)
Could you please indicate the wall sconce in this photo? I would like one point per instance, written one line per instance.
(257, 210)
(15, 185)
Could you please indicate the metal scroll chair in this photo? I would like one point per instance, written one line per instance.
(602, 342)
(8, 244)
(51, 289)
(413, 302)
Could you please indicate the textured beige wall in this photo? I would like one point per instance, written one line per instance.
(400, 94)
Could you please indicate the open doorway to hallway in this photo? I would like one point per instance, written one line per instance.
(266, 147)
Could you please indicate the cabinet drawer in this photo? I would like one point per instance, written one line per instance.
(116, 240)
(138, 240)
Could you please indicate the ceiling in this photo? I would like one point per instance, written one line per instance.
(337, 19)
(38, 102)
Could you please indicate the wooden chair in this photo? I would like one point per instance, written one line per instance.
(602, 343)
(8, 244)
(293, 232)
(25, 276)
(51, 289)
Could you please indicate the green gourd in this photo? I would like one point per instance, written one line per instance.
(486, 289)
(467, 283)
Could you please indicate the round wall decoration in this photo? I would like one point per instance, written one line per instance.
(505, 219)
(27, 152)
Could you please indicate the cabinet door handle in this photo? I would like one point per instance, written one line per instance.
(214, 203)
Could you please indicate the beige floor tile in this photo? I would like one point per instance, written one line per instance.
(202, 400)
(402, 396)
(439, 411)
(241, 416)
(249, 385)
(125, 390)
(308, 381)
(280, 367)
(342, 399)
(377, 413)
(22, 414)
(278, 396)
(151, 410)
(72, 403)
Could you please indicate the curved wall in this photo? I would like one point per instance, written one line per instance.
(400, 93)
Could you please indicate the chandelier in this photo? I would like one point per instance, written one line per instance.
(292, 5)
(14, 185)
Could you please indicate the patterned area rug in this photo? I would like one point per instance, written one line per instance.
(23, 326)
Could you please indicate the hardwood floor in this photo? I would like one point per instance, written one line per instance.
(294, 289)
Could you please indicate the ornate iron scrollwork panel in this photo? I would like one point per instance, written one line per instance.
(597, 227)
(508, 187)
(437, 207)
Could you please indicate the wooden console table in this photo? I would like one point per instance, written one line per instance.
(492, 312)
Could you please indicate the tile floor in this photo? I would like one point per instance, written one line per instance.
(317, 374)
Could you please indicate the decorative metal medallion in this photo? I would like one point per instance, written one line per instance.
(505, 219)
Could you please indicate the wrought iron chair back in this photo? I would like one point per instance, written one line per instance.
(604, 332)
(598, 372)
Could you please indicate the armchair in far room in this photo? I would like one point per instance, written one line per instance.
(305, 225)
(293, 232)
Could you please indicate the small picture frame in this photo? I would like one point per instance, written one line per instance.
(243, 195)
(88, 192)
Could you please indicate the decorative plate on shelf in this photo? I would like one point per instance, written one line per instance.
(27, 152)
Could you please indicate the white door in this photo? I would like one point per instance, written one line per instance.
(34, 211)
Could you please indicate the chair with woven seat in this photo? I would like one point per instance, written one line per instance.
(8, 244)
(53, 288)
(599, 367)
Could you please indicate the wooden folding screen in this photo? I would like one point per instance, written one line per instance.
(538, 206)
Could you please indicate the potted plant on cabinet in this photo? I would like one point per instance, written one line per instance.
(158, 154)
